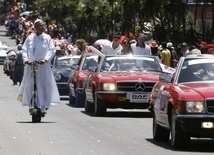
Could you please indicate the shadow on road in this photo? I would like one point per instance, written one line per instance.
(196, 145)
(130, 114)
(64, 98)
(34, 123)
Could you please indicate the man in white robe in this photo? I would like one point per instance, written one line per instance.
(39, 47)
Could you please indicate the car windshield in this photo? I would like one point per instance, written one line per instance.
(131, 63)
(196, 70)
(66, 62)
(90, 61)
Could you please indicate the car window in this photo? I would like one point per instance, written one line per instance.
(90, 61)
(73, 61)
(65, 62)
(130, 63)
(196, 70)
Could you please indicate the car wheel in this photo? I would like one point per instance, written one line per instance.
(99, 107)
(80, 99)
(89, 107)
(72, 99)
(179, 139)
(159, 133)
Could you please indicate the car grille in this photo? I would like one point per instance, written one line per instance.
(210, 105)
(131, 86)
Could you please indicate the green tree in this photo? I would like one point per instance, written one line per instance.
(92, 19)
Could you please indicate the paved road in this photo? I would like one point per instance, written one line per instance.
(69, 131)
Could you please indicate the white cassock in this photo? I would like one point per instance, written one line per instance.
(37, 48)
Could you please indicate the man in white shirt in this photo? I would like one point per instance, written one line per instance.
(185, 49)
(113, 48)
(140, 47)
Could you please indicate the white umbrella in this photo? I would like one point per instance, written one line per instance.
(101, 42)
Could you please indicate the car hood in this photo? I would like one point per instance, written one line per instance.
(3, 53)
(129, 76)
(197, 90)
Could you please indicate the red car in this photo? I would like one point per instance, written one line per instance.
(78, 75)
(183, 103)
(121, 81)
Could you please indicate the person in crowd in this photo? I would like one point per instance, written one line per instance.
(11, 54)
(39, 47)
(154, 48)
(81, 47)
(165, 55)
(127, 50)
(211, 49)
(174, 57)
(58, 51)
(185, 49)
(203, 47)
(19, 66)
(113, 48)
(194, 50)
(140, 47)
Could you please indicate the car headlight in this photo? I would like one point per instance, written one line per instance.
(109, 86)
(195, 107)
(58, 76)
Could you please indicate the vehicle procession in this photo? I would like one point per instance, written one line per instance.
(130, 71)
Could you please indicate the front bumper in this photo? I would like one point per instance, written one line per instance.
(122, 99)
(63, 88)
(197, 125)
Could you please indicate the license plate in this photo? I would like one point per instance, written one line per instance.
(139, 98)
(121, 98)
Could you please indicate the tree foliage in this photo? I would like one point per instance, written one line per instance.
(92, 19)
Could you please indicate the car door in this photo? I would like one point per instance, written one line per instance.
(161, 102)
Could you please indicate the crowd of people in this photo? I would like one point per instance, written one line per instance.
(18, 22)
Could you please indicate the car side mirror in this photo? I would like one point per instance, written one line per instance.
(164, 77)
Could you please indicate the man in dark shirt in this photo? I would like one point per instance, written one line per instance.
(19, 66)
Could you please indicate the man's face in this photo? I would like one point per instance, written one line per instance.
(116, 38)
(141, 38)
(39, 26)
(184, 48)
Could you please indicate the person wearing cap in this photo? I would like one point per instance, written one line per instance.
(18, 66)
(185, 49)
(174, 57)
(39, 47)
(140, 47)
(11, 54)
(154, 48)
